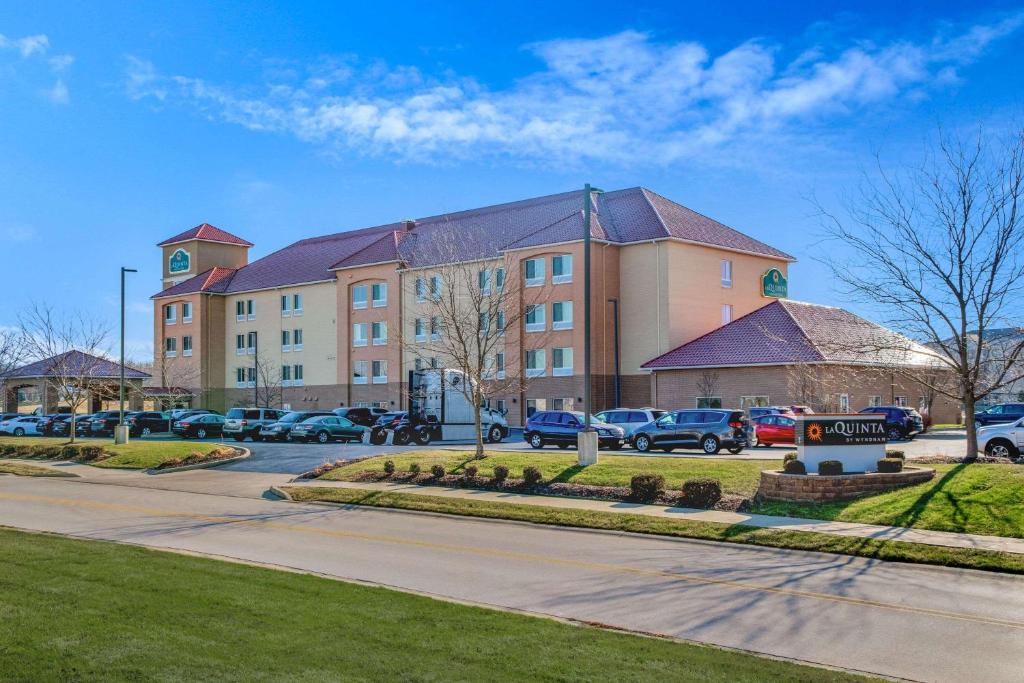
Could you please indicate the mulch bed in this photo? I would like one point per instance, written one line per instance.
(195, 457)
(950, 460)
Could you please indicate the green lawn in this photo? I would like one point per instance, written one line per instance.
(25, 470)
(88, 610)
(737, 476)
(136, 454)
(975, 499)
(895, 551)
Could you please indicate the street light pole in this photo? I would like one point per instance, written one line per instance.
(587, 440)
(122, 432)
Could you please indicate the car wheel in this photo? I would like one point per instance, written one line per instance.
(736, 451)
(146, 431)
(423, 437)
(239, 437)
(1000, 448)
(323, 437)
(200, 433)
(378, 437)
(710, 445)
(537, 441)
(18, 431)
(402, 437)
(642, 443)
(894, 433)
(495, 435)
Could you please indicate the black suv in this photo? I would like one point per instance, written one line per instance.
(367, 417)
(279, 431)
(148, 422)
(562, 428)
(1001, 413)
(103, 423)
(900, 422)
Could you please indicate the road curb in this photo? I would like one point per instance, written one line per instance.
(203, 465)
(280, 493)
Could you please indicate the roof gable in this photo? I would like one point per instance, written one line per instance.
(206, 233)
(76, 363)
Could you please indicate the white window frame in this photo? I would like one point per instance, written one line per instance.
(538, 272)
(537, 326)
(419, 329)
(499, 365)
(381, 325)
(901, 401)
(297, 339)
(251, 375)
(484, 280)
(563, 370)
(420, 290)
(250, 309)
(379, 379)
(286, 341)
(296, 304)
(358, 305)
(435, 287)
(187, 352)
(874, 401)
(363, 339)
(365, 365)
(564, 324)
(435, 328)
(381, 287)
(844, 402)
(564, 278)
(708, 402)
(536, 371)
(298, 375)
(171, 314)
(239, 344)
(240, 306)
(726, 314)
(250, 343)
(240, 382)
(186, 306)
(286, 375)
(286, 306)
(538, 405)
(499, 280)
(726, 273)
(499, 321)
(754, 401)
(170, 347)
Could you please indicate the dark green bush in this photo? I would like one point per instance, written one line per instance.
(531, 476)
(90, 453)
(70, 451)
(500, 474)
(830, 468)
(437, 471)
(646, 487)
(702, 492)
(470, 471)
(789, 456)
(389, 467)
(794, 467)
(896, 454)
(890, 465)
(414, 468)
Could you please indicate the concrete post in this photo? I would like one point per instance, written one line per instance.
(587, 447)
(121, 434)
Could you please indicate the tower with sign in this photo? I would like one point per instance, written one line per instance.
(198, 250)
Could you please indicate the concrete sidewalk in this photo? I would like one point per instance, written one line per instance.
(924, 536)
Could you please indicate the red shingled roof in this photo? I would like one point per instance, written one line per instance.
(71, 364)
(207, 233)
(786, 332)
(215, 280)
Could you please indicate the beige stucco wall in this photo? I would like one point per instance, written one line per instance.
(203, 255)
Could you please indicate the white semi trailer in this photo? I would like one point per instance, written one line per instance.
(439, 410)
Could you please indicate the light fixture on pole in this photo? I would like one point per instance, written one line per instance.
(587, 439)
(121, 432)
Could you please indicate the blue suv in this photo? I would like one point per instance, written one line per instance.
(900, 422)
(560, 427)
(999, 414)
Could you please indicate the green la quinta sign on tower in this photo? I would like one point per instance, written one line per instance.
(774, 285)
(179, 262)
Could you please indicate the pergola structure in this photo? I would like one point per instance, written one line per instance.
(96, 379)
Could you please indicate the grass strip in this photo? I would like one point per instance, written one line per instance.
(25, 470)
(893, 551)
(91, 610)
(134, 455)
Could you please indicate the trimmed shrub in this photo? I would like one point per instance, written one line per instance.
(789, 456)
(896, 454)
(531, 475)
(890, 465)
(24, 450)
(414, 468)
(470, 471)
(500, 474)
(794, 467)
(70, 452)
(437, 471)
(646, 487)
(8, 449)
(46, 451)
(830, 468)
(702, 492)
(389, 467)
(90, 453)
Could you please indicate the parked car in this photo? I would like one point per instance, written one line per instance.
(758, 411)
(200, 426)
(1002, 440)
(628, 419)
(1001, 413)
(148, 422)
(325, 428)
(8, 416)
(392, 420)
(561, 427)
(103, 423)
(45, 424)
(240, 423)
(707, 429)
(21, 425)
(83, 425)
(279, 430)
(775, 428)
(178, 413)
(900, 422)
(366, 417)
(60, 425)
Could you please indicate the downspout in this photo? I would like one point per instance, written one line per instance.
(618, 374)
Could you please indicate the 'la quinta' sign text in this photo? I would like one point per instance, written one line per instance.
(179, 262)
(774, 285)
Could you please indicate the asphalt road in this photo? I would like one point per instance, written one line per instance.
(919, 623)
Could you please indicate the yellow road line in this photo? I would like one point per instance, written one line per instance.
(510, 555)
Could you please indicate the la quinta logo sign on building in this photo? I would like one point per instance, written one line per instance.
(774, 285)
(179, 262)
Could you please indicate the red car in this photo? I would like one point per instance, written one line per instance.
(769, 429)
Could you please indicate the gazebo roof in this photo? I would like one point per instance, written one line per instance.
(75, 363)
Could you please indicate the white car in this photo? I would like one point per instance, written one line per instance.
(20, 426)
(628, 419)
(1002, 441)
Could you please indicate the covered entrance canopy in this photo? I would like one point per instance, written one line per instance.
(70, 378)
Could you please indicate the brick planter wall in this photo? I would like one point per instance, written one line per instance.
(816, 488)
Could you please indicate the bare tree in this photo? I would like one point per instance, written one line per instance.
(938, 249)
(707, 388)
(74, 348)
(12, 355)
(269, 382)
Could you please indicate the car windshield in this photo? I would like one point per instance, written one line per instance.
(235, 414)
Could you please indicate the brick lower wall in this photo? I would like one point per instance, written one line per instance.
(817, 488)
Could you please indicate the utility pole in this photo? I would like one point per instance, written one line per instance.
(121, 433)
(587, 439)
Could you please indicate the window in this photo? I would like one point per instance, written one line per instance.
(296, 304)
(485, 323)
(359, 369)
(434, 363)
(561, 269)
(170, 347)
(250, 374)
(297, 375)
(186, 345)
(435, 286)
(380, 333)
(535, 318)
(380, 294)
(874, 401)
(500, 323)
(421, 330)
(561, 315)
(484, 278)
(186, 312)
(563, 404)
(435, 329)
(250, 309)
(753, 402)
(499, 279)
(561, 361)
(380, 372)
(286, 306)
(534, 272)
(251, 343)
(421, 290)
(240, 378)
(500, 406)
(297, 340)
(286, 375)
(535, 405)
(844, 403)
(726, 273)
(709, 402)
(170, 314)
(239, 344)
(499, 364)
(286, 341)
(535, 363)
(359, 297)
(417, 364)
(359, 332)
(901, 401)
(726, 314)
(239, 310)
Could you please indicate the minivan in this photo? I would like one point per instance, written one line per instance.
(710, 430)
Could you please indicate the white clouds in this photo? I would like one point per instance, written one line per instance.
(18, 234)
(27, 46)
(33, 49)
(624, 98)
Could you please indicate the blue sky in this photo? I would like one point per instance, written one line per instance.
(122, 125)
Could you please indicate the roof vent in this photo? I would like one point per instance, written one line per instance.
(408, 224)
